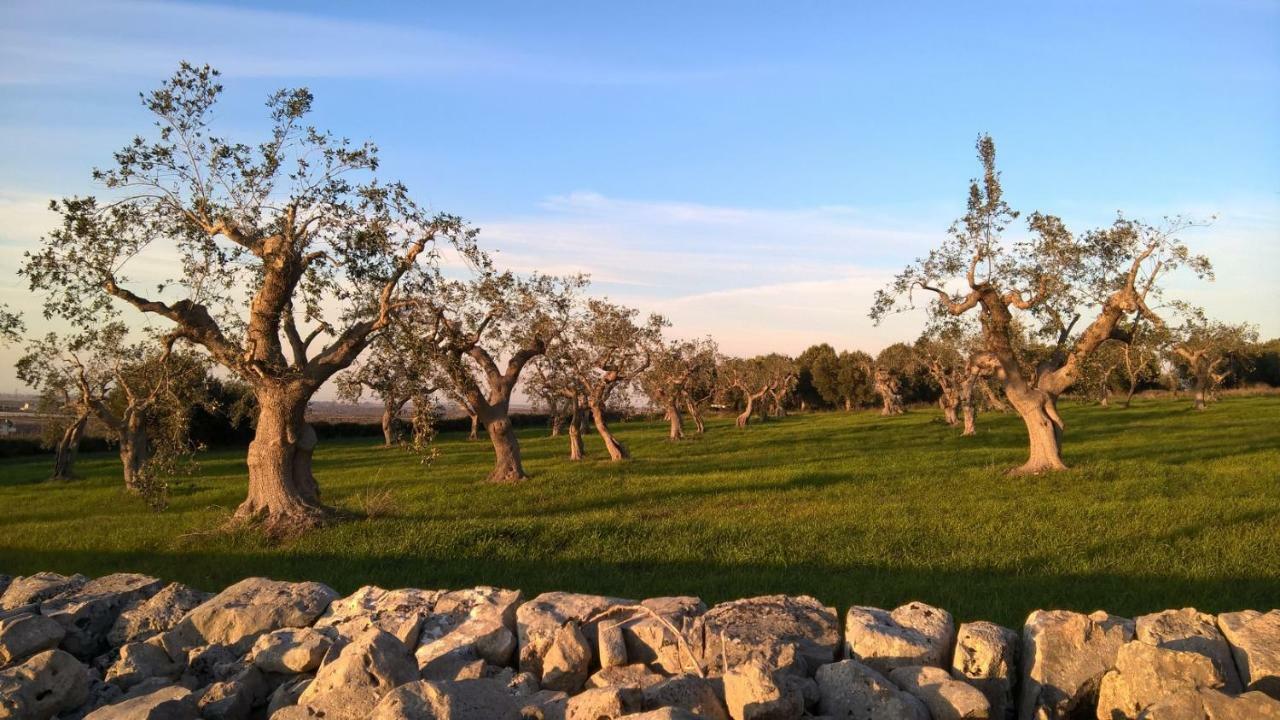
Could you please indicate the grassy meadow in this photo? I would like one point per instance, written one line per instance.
(1164, 507)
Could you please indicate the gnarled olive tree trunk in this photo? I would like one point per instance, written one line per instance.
(1039, 412)
(557, 424)
(390, 410)
(696, 413)
(576, 419)
(64, 458)
(617, 451)
(135, 450)
(507, 466)
(283, 493)
(677, 422)
(886, 386)
(745, 417)
(474, 433)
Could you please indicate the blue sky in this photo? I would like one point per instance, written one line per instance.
(754, 170)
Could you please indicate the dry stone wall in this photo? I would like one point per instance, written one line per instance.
(129, 646)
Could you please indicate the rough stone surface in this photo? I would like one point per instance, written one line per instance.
(89, 612)
(539, 620)
(398, 612)
(605, 703)
(611, 645)
(636, 675)
(651, 640)
(141, 661)
(1213, 705)
(46, 684)
(751, 693)
(1145, 674)
(567, 660)
(986, 657)
(35, 589)
(1064, 656)
(234, 698)
(913, 634)
(1255, 645)
(946, 697)
(22, 636)
(238, 615)
(290, 651)
(156, 614)
(794, 634)
(1193, 631)
(351, 684)
(463, 700)
(287, 693)
(687, 692)
(482, 638)
(171, 703)
(850, 690)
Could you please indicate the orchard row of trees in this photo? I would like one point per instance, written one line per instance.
(295, 265)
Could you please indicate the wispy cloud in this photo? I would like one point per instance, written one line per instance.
(65, 40)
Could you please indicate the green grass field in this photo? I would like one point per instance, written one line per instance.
(1164, 508)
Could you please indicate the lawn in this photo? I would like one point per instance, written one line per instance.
(1164, 508)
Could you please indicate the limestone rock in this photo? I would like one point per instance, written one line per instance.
(141, 661)
(208, 663)
(650, 639)
(1192, 631)
(567, 660)
(913, 634)
(238, 615)
(795, 634)
(89, 612)
(986, 657)
(751, 693)
(481, 638)
(156, 614)
(1255, 644)
(234, 698)
(170, 703)
(46, 684)
(687, 692)
(398, 612)
(35, 589)
(545, 705)
(662, 714)
(287, 693)
(457, 607)
(539, 621)
(632, 676)
(1213, 705)
(1145, 674)
(463, 700)
(850, 690)
(606, 703)
(351, 684)
(612, 647)
(290, 651)
(1064, 656)
(946, 697)
(24, 635)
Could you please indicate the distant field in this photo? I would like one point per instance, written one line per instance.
(1165, 507)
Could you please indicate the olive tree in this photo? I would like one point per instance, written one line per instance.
(1053, 277)
(396, 369)
(272, 246)
(140, 392)
(472, 325)
(755, 378)
(678, 370)
(555, 383)
(1206, 349)
(607, 348)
